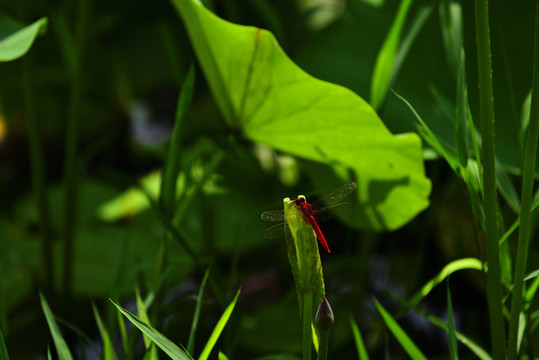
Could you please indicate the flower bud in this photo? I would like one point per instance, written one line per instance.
(324, 316)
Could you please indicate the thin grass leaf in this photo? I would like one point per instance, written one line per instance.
(507, 189)
(403, 339)
(461, 264)
(172, 165)
(464, 340)
(194, 324)
(108, 349)
(521, 329)
(451, 28)
(222, 356)
(143, 315)
(360, 345)
(461, 123)
(383, 69)
(218, 329)
(421, 17)
(524, 232)
(49, 355)
(61, 347)
(516, 224)
(3, 348)
(159, 339)
(438, 144)
(123, 335)
(451, 332)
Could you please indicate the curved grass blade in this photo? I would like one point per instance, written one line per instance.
(218, 329)
(461, 264)
(108, 349)
(360, 345)
(159, 339)
(61, 346)
(403, 339)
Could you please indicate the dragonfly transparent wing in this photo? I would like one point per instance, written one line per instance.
(335, 196)
(272, 215)
(276, 231)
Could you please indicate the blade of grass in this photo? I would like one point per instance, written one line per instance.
(451, 332)
(3, 348)
(360, 345)
(59, 342)
(173, 160)
(123, 334)
(159, 339)
(486, 100)
(71, 143)
(108, 349)
(461, 264)
(476, 349)
(218, 329)
(194, 324)
(37, 164)
(143, 315)
(461, 123)
(403, 339)
(525, 208)
(383, 68)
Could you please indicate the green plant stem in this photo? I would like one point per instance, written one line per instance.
(489, 179)
(324, 344)
(307, 321)
(526, 201)
(70, 163)
(38, 173)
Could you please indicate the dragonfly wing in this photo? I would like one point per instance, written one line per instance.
(328, 213)
(275, 231)
(335, 196)
(273, 215)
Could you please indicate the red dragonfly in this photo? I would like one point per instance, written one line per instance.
(319, 210)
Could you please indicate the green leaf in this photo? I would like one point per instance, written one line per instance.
(3, 348)
(108, 349)
(261, 92)
(61, 346)
(403, 339)
(453, 352)
(384, 67)
(222, 356)
(159, 339)
(218, 329)
(360, 345)
(15, 44)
